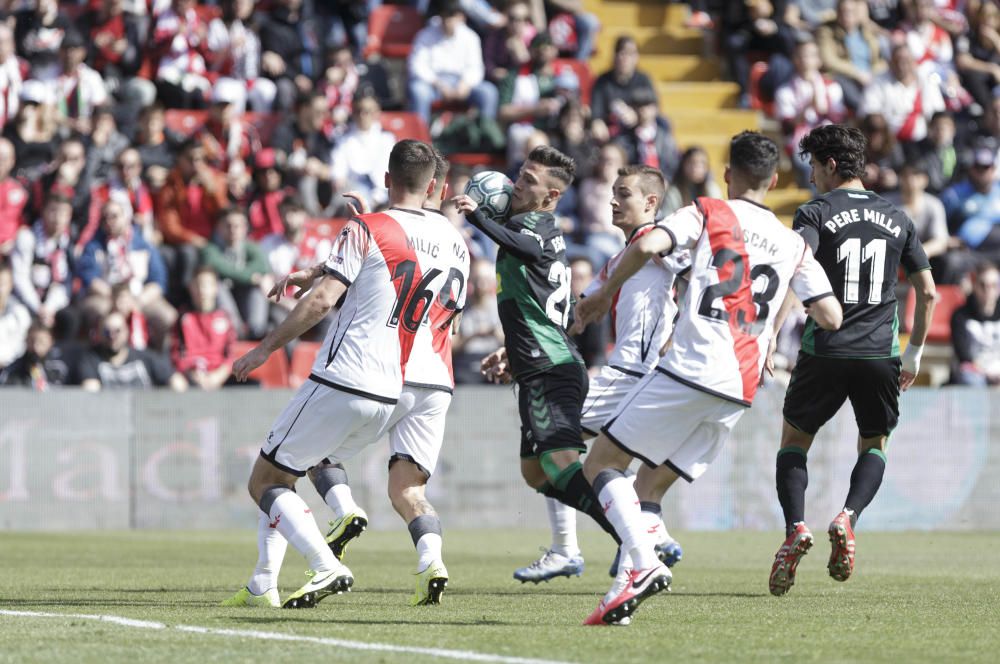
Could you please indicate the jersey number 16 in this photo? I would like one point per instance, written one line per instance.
(413, 300)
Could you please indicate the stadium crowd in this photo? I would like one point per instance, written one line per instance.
(164, 162)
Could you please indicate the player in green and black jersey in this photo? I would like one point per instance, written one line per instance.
(861, 240)
(533, 298)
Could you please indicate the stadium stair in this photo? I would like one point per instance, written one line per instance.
(687, 72)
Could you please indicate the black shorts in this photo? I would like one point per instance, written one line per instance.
(820, 385)
(549, 404)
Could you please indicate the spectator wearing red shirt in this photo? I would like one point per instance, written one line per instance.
(125, 182)
(225, 135)
(265, 215)
(116, 40)
(13, 198)
(203, 343)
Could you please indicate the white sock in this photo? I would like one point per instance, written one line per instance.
(428, 550)
(562, 521)
(271, 546)
(340, 500)
(623, 511)
(625, 561)
(295, 522)
(655, 527)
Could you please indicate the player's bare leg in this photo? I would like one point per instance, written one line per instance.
(349, 520)
(605, 468)
(791, 479)
(407, 492)
(866, 478)
(273, 490)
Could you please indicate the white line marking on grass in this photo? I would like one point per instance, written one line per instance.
(466, 655)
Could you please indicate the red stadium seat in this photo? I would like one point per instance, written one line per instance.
(184, 122)
(949, 299)
(405, 125)
(391, 29)
(302, 361)
(582, 71)
(271, 374)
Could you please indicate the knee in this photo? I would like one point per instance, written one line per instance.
(533, 474)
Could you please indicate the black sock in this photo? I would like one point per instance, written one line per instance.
(792, 478)
(579, 495)
(651, 507)
(865, 481)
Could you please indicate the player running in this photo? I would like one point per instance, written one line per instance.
(642, 318)
(533, 299)
(390, 270)
(861, 240)
(678, 417)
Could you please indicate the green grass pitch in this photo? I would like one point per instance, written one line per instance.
(915, 597)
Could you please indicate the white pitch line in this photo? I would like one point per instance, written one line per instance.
(465, 655)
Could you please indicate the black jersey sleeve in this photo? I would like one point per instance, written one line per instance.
(913, 258)
(808, 221)
(522, 245)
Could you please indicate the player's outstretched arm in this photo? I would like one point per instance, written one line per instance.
(827, 312)
(310, 310)
(302, 279)
(593, 307)
(524, 247)
(923, 286)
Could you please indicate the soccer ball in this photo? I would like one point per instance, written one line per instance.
(491, 190)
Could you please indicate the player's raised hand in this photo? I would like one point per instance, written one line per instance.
(356, 203)
(301, 279)
(590, 310)
(246, 364)
(464, 203)
(494, 367)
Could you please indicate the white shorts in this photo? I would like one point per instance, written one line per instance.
(416, 426)
(606, 392)
(664, 422)
(322, 422)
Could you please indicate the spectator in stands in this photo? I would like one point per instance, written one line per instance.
(850, 51)
(13, 199)
(41, 366)
(120, 255)
(68, 173)
(693, 179)
(340, 82)
(930, 222)
(105, 144)
(116, 52)
(575, 139)
(303, 149)
(33, 131)
(186, 208)
(243, 271)
(595, 236)
(78, 88)
(14, 318)
(289, 44)
(613, 89)
(180, 41)
(446, 64)
(650, 140)
(361, 156)
(157, 148)
(124, 302)
(937, 152)
(574, 30)
(203, 342)
(594, 340)
(10, 76)
(41, 261)
(973, 206)
(807, 101)
(264, 215)
(931, 47)
(38, 34)
(883, 154)
(234, 53)
(906, 99)
(977, 54)
(506, 49)
(125, 184)
(752, 26)
(975, 331)
(227, 137)
(111, 362)
(807, 15)
(528, 98)
(479, 331)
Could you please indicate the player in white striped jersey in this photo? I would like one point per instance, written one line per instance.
(392, 272)
(678, 417)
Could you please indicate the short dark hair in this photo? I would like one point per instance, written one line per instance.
(231, 211)
(204, 269)
(559, 165)
(290, 204)
(411, 165)
(441, 166)
(622, 41)
(190, 144)
(753, 155)
(845, 145)
(651, 180)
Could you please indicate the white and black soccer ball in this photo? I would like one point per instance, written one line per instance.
(492, 191)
